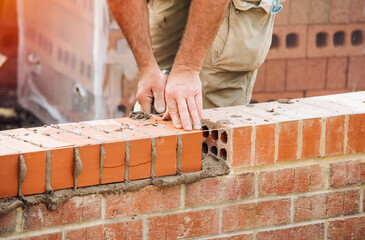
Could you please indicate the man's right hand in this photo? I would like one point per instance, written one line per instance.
(151, 90)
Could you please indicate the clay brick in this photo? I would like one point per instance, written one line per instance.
(311, 137)
(316, 73)
(184, 225)
(315, 93)
(350, 228)
(299, 12)
(252, 215)
(335, 134)
(140, 161)
(275, 76)
(166, 145)
(340, 11)
(319, 11)
(220, 189)
(357, 11)
(326, 205)
(35, 161)
(265, 144)
(8, 223)
(288, 141)
(149, 199)
(8, 172)
(241, 152)
(236, 237)
(283, 17)
(336, 73)
(346, 173)
(94, 232)
(75, 210)
(267, 97)
(50, 236)
(283, 181)
(303, 232)
(114, 151)
(89, 151)
(130, 230)
(356, 73)
(191, 141)
(356, 134)
(296, 75)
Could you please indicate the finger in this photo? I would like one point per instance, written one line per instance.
(166, 115)
(146, 104)
(194, 113)
(199, 104)
(171, 105)
(159, 100)
(184, 114)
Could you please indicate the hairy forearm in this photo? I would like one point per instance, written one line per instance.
(205, 18)
(132, 17)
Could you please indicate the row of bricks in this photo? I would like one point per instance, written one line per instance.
(299, 12)
(317, 41)
(92, 153)
(311, 74)
(266, 133)
(205, 192)
(349, 228)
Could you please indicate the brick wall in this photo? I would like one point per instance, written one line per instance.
(318, 49)
(297, 170)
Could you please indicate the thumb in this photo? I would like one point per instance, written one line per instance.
(159, 101)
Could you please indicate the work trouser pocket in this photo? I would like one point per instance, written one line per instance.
(244, 37)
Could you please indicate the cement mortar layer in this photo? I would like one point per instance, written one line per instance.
(211, 167)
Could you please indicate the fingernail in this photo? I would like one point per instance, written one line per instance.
(160, 107)
(188, 127)
(177, 125)
(197, 126)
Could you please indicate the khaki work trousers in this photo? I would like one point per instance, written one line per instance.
(240, 47)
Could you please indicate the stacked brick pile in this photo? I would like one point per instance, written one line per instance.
(297, 172)
(318, 49)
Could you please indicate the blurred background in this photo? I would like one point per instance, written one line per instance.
(68, 60)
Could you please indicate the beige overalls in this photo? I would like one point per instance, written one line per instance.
(240, 47)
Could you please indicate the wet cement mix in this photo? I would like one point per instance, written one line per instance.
(12, 115)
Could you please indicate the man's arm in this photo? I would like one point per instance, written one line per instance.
(132, 17)
(183, 89)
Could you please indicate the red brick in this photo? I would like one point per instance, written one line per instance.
(303, 232)
(8, 222)
(296, 75)
(319, 11)
(75, 210)
(266, 97)
(50, 236)
(94, 232)
(149, 199)
(275, 75)
(356, 134)
(356, 73)
(283, 17)
(326, 205)
(130, 230)
(8, 172)
(346, 173)
(283, 181)
(288, 141)
(219, 189)
(241, 151)
(335, 135)
(299, 12)
(316, 73)
(336, 73)
(236, 237)
(184, 225)
(252, 215)
(311, 137)
(265, 144)
(357, 11)
(340, 11)
(350, 228)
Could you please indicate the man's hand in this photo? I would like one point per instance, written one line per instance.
(184, 99)
(151, 90)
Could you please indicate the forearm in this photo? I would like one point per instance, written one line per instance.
(132, 17)
(205, 18)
